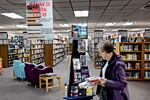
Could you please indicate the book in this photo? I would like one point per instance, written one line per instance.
(76, 64)
(74, 91)
(83, 60)
(89, 91)
(81, 46)
(93, 79)
(77, 77)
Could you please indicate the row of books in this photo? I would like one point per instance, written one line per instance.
(147, 65)
(58, 60)
(130, 57)
(38, 61)
(147, 74)
(133, 75)
(37, 46)
(133, 65)
(75, 91)
(58, 55)
(147, 47)
(58, 46)
(129, 47)
(58, 50)
(35, 51)
(146, 56)
(37, 56)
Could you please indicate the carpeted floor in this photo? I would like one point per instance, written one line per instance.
(12, 89)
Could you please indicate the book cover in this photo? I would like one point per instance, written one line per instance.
(89, 91)
(81, 46)
(74, 91)
(76, 64)
(83, 60)
(77, 77)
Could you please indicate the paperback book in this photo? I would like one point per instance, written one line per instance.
(76, 64)
(81, 46)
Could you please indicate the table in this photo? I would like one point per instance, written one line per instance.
(49, 84)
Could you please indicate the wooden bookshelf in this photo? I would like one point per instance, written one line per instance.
(93, 51)
(142, 73)
(55, 51)
(36, 53)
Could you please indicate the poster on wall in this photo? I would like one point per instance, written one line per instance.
(40, 17)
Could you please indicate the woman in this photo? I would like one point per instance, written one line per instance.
(113, 84)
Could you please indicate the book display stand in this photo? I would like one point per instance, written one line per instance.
(78, 73)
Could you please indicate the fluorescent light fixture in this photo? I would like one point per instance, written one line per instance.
(54, 31)
(110, 24)
(82, 24)
(64, 25)
(22, 26)
(83, 13)
(1, 27)
(136, 29)
(12, 15)
(128, 23)
(114, 30)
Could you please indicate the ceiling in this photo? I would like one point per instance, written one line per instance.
(100, 13)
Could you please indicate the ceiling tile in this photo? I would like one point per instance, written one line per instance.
(62, 5)
(104, 3)
(80, 4)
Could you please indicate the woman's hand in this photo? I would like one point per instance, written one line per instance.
(101, 81)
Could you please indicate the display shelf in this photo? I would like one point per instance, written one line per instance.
(55, 50)
(133, 69)
(130, 51)
(147, 60)
(134, 79)
(132, 60)
(138, 51)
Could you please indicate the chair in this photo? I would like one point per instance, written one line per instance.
(36, 73)
(33, 71)
(28, 71)
(18, 69)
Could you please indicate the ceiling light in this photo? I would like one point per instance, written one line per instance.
(64, 25)
(1, 27)
(136, 29)
(128, 23)
(83, 13)
(110, 24)
(22, 26)
(12, 15)
(114, 30)
(82, 24)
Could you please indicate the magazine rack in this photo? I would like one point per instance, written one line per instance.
(78, 72)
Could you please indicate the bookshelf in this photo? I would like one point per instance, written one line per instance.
(136, 56)
(11, 50)
(146, 61)
(55, 51)
(94, 52)
(37, 53)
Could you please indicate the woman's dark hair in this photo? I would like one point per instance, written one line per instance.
(107, 47)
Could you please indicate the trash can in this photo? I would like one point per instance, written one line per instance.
(1, 65)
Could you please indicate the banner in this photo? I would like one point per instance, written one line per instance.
(40, 17)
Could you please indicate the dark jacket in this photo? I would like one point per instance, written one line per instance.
(116, 85)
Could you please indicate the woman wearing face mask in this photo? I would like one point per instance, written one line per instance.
(113, 84)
